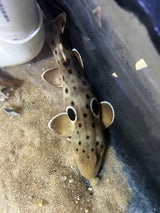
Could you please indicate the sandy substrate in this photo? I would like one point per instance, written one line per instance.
(38, 172)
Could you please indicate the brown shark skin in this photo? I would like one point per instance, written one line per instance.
(87, 138)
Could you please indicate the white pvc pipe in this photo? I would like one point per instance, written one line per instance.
(21, 31)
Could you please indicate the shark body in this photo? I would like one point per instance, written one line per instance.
(85, 118)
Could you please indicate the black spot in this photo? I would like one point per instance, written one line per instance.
(71, 114)
(66, 63)
(95, 107)
(83, 151)
(84, 83)
(79, 142)
(74, 88)
(88, 156)
(84, 115)
(101, 146)
(87, 106)
(93, 125)
(77, 150)
(92, 150)
(80, 125)
(63, 78)
(97, 143)
(52, 41)
(87, 137)
(77, 132)
(87, 96)
(66, 90)
(70, 71)
(72, 103)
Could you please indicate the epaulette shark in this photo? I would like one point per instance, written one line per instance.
(85, 117)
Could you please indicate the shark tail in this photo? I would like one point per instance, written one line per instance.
(56, 30)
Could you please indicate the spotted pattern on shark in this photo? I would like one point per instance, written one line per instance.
(85, 117)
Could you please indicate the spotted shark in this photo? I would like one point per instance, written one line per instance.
(84, 118)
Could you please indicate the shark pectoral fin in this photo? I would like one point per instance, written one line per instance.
(53, 76)
(78, 56)
(61, 124)
(107, 114)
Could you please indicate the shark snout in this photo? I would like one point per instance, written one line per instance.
(89, 167)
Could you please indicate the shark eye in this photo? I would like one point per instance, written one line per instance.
(94, 106)
(71, 112)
